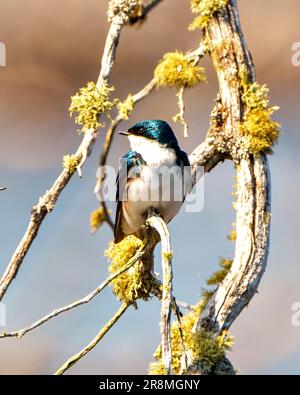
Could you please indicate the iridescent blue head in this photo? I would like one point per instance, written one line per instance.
(155, 130)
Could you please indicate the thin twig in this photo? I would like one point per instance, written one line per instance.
(180, 117)
(86, 299)
(75, 358)
(178, 316)
(107, 215)
(159, 224)
(145, 10)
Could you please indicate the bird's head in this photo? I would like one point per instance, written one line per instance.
(155, 131)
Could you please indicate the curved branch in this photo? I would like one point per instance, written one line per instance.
(252, 245)
(230, 54)
(75, 358)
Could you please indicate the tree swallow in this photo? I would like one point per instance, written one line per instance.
(155, 174)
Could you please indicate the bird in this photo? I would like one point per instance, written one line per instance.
(153, 175)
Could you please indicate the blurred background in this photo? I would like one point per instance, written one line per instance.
(54, 48)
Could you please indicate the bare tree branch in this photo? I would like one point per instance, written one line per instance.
(160, 226)
(253, 180)
(230, 54)
(21, 332)
(146, 8)
(48, 200)
(75, 358)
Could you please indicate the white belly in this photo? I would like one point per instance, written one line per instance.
(162, 188)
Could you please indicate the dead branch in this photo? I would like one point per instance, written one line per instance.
(160, 226)
(75, 358)
(21, 332)
(253, 194)
(48, 200)
(230, 55)
(146, 8)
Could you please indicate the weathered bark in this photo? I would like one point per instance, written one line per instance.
(230, 54)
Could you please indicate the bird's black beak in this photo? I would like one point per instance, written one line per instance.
(124, 133)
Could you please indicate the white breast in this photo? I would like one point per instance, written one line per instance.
(141, 191)
(152, 152)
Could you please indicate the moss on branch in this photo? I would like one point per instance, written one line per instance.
(70, 163)
(206, 10)
(177, 70)
(257, 126)
(89, 103)
(97, 218)
(202, 346)
(135, 283)
(126, 107)
(127, 9)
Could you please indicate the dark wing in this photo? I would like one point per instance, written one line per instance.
(128, 162)
(184, 163)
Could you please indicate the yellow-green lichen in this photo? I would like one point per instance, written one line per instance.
(136, 282)
(268, 216)
(204, 347)
(168, 255)
(257, 126)
(157, 369)
(126, 107)
(206, 9)
(97, 218)
(232, 234)
(177, 70)
(70, 163)
(127, 9)
(89, 103)
(217, 277)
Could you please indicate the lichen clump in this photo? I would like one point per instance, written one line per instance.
(233, 233)
(168, 255)
(136, 282)
(126, 107)
(127, 9)
(89, 103)
(206, 9)
(97, 218)
(202, 346)
(261, 131)
(157, 369)
(177, 70)
(70, 163)
(217, 277)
